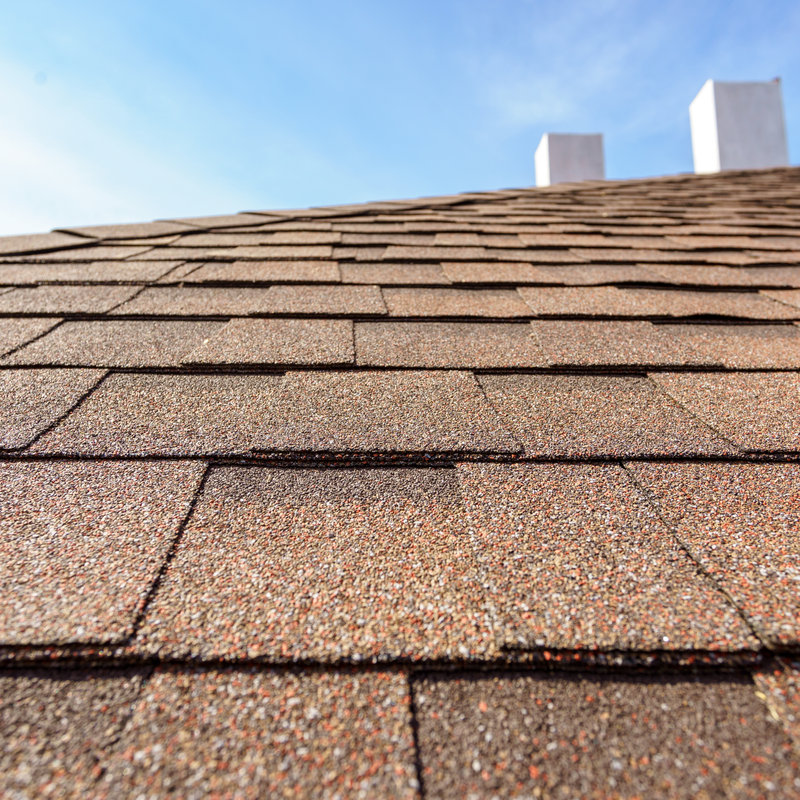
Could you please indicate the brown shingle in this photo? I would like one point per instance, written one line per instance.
(278, 341)
(757, 411)
(82, 544)
(790, 297)
(741, 523)
(323, 565)
(56, 725)
(195, 301)
(781, 689)
(382, 412)
(135, 230)
(594, 274)
(611, 301)
(117, 343)
(65, 299)
(87, 254)
(507, 735)
(446, 344)
(575, 558)
(743, 346)
(16, 332)
(387, 274)
(267, 272)
(593, 416)
(513, 272)
(252, 734)
(294, 252)
(325, 300)
(454, 303)
(598, 343)
(96, 272)
(433, 253)
(172, 415)
(243, 301)
(264, 237)
(33, 399)
(38, 242)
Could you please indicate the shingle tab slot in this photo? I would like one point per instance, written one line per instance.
(597, 416)
(575, 558)
(81, 544)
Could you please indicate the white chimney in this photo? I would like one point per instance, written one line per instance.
(738, 126)
(566, 157)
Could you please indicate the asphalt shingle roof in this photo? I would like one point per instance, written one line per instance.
(478, 496)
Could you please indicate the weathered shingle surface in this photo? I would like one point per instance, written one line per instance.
(313, 502)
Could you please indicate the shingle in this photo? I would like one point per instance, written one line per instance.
(56, 725)
(613, 240)
(264, 237)
(707, 275)
(38, 242)
(454, 303)
(789, 297)
(82, 544)
(743, 346)
(593, 416)
(95, 272)
(16, 332)
(384, 274)
(611, 301)
(741, 522)
(278, 341)
(575, 558)
(507, 735)
(65, 299)
(757, 411)
(771, 276)
(135, 230)
(446, 344)
(325, 300)
(33, 399)
(252, 734)
(780, 687)
(513, 272)
(593, 274)
(88, 254)
(326, 565)
(433, 253)
(382, 412)
(267, 271)
(172, 415)
(296, 252)
(223, 221)
(196, 301)
(117, 343)
(633, 255)
(599, 343)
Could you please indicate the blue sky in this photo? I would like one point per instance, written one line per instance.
(129, 111)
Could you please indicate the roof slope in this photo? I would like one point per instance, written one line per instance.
(487, 495)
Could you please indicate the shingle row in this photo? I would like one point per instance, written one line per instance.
(363, 564)
(566, 416)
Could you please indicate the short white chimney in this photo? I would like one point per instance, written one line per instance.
(566, 157)
(738, 126)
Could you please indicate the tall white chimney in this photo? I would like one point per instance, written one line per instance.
(738, 126)
(566, 157)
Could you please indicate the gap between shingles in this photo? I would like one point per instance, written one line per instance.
(651, 500)
(170, 555)
(414, 715)
(31, 341)
(85, 396)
